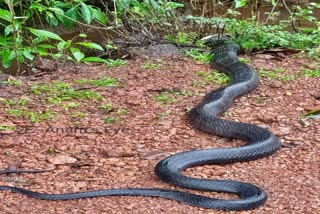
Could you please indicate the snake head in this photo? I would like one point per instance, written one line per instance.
(213, 40)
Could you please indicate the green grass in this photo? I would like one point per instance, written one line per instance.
(111, 119)
(59, 92)
(33, 116)
(245, 60)
(7, 128)
(70, 105)
(151, 65)
(276, 74)
(107, 106)
(12, 82)
(104, 82)
(20, 102)
(199, 56)
(310, 73)
(182, 38)
(79, 115)
(123, 111)
(164, 98)
(170, 96)
(115, 62)
(214, 77)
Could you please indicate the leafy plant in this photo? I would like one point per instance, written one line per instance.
(252, 35)
(182, 38)
(21, 43)
(198, 55)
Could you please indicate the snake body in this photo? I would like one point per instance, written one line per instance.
(204, 116)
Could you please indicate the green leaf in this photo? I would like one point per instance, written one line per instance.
(173, 5)
(27, 54)
(63, 45)
(8, 30)
(83, 35)
(87, 13)
(314, 114)
(77, 54)
(46, 46)
(5, 14)
(7, 58)
(57, 56)
(240, 3)
(45, 33)
(154, 4)
(100, 16)
(72, 13)
(58, 12)
(91, 45)
(51, 19)
(94, 59)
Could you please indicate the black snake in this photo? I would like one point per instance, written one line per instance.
(204, 116)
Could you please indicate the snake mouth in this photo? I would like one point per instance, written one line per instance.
(215, 39)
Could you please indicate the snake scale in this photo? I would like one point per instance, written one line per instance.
(204, 116)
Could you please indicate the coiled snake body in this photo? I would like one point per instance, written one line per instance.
(204, 116)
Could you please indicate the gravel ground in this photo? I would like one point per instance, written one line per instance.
(125, 153)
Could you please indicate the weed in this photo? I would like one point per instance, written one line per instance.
(245, 60)
(37, 117)
(115, 62)
(163, 114)
(105, 82)
(60, 91)
(20, 102)
(310, 73)
(276, 74)
(107, 106)
(34, 117)
(171, 96)
(111, 119)
(151, 65)
(7, 128)
(70, 105)
(123, 111)
(182, 38)
(313, 114)
(199, 55)
(15, 112)
(164, 98)
(12, 82)
(79, 115)
(51, 150)
(214, 76)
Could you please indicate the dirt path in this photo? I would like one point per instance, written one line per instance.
(119, 145)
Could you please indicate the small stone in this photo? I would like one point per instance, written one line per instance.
(288, 93)
(61, 159)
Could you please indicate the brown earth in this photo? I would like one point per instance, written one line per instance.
(126, 154)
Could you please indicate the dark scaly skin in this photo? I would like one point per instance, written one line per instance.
(204, 116)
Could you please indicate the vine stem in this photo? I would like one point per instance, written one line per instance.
(15, 34)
